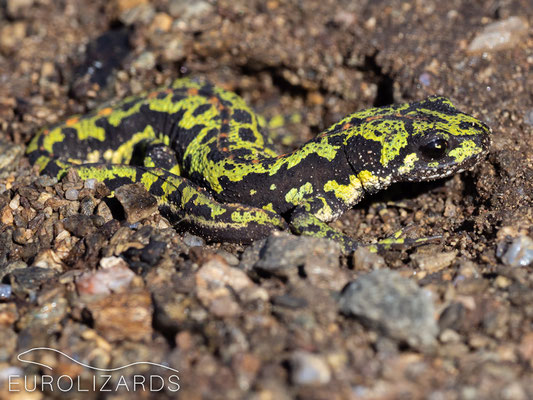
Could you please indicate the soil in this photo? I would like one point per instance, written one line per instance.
(287, 317)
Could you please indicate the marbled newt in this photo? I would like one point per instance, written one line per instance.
(206, 157)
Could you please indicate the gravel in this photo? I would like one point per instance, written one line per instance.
(263, 321)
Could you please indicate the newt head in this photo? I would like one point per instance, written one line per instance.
(419, 141)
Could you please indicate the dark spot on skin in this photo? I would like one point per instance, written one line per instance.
(436, 104)
(117, 182)
(224, 114)
(246, 135)
(156, 188)
(51, 169)
(211, 133)
(177, 97)
(173, 214)
(201, 109)
(199, 210)
(226, 103)
(335, 128)
(196, 177)
(162, 156)
(465, 125)
(242, 116)
(206, 90)
(472, 125)
(241, 153)
(126, 106)
(408, 126)
(215, 154)
(224, 128)
(356, 121)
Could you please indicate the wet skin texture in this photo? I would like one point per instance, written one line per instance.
(204, 154)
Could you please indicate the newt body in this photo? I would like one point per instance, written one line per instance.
(202, 152)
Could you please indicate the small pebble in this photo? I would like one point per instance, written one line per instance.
(7, 371)
(452, 317)
(449, 336)
(30, 279)
(87, 205)
(137, 202)
(12, 266)
(500, 35)
(125, 316)
(526, 348)
(425, 79)
(115, 276)
(516, 391)
(188, 9)
(112, 262)
(72, 194)
(433, 262)
(153, 251)
(79, 225)
(11, 35)
(89, 184)
(6, 216)
(528, 116)
(519, 253)
(5, 291)
(103, 210)
(123, 5)
(10, 155)
(47, 313)
(396, 306)
(15, 202)
(289, 301)
(193, 240)
(161, 22)
(174, 48)
(365, 260)
(145, 61)
(502, 282)
(141, 13)
(216, 284)
(43, 197)
(48, 71)
(231, 259)
(15, 7)
(45, 181)
(49, 259)
(309, 369)
(286, 252)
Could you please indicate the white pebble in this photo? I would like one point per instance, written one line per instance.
(72, 194)
(15, 202)
(90, 184)
(499, 35)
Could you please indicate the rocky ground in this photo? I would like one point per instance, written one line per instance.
(110, 284)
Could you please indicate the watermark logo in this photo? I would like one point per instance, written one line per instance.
(103, 379)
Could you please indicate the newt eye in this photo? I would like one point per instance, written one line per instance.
(434, 149)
